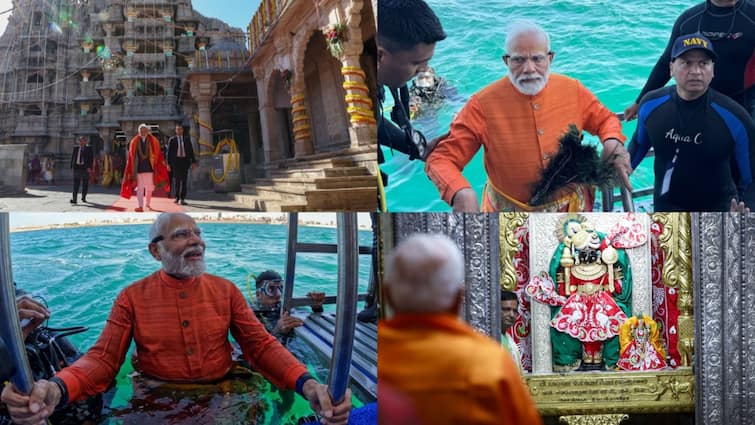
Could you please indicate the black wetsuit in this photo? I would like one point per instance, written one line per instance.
(704, 150)
(732, 31)
(393, 134)
(269, 316)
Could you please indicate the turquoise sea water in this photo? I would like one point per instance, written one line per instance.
(80, 271)
(610, 46)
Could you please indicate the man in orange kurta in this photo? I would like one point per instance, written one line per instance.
(436, 366)
(519, 120)
(179, 317)
(145, 168)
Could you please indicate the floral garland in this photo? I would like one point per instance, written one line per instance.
(335, 35)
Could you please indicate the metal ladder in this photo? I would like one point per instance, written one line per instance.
(350, 345)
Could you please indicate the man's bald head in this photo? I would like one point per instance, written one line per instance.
(424, 274)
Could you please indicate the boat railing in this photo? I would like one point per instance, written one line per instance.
(612, 196)
(346, 311)
(350, 345)
(10, 327)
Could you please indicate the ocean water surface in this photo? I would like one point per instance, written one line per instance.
(80, 271)
(609, 46)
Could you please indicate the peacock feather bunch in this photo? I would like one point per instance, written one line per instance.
(573, 164)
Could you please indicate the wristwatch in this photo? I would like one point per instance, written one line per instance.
(63, 391)
(300, 383)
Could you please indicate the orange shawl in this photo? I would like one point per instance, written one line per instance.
(159, 169)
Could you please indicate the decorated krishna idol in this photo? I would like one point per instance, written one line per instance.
(641, 345)
(589, 290)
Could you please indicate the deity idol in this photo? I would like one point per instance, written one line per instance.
(589, 289)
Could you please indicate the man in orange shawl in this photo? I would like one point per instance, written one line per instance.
(145, 168)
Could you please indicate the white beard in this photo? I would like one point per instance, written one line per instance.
(177, 265)
(531, 88)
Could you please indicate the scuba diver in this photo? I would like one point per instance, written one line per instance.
(427, 92)
(407, 33)
(48, 350)
(267, 306)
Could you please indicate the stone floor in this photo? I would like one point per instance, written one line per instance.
(56, 198)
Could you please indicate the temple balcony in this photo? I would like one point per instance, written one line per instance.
(185, 13)
(35, 125)
(228, 54)
(268, 12)
(153, 108)
(87, 123)
(148, 58)
(87, 91)
(31, 92)
(149, 28)
(111, 114)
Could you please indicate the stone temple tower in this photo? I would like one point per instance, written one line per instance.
(97, 68)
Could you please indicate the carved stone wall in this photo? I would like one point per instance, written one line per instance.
(477, 237)
(724, 265)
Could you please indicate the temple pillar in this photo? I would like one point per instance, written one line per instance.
(303, 141)
(203, 90)
(254, 123)
(270, 149)
(359, 106)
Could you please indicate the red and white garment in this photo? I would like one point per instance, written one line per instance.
(589, 318)
(641, 356)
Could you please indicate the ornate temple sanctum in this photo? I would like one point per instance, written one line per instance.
(622, 318)
(278, 114)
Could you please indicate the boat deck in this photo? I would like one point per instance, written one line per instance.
(319, 330)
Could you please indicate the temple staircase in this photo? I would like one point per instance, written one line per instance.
(315, 184)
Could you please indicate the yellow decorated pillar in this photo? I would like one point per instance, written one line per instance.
(356, 82)
(303, 144)
(359, 105)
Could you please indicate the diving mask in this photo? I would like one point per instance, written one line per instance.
(272, 288)
(424, 79)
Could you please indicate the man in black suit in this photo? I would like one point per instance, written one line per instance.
(180, 158)
(81, 162)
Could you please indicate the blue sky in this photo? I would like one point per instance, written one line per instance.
(238, 13)
(4, 5)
